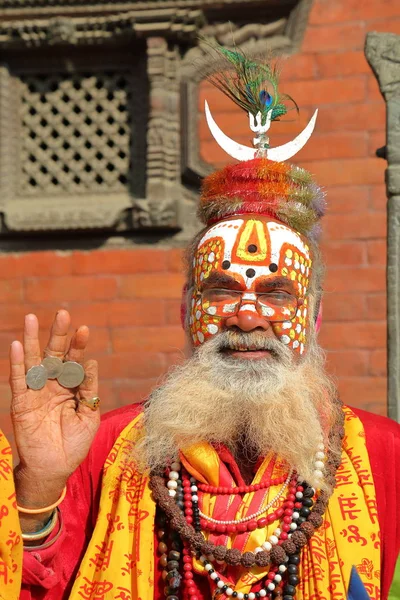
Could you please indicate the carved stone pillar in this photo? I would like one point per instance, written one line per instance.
(383, 54)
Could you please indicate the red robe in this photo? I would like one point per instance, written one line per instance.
(49, 574)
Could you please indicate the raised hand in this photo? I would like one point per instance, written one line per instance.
(53, 428)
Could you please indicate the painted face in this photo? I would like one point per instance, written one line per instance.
(250, 250)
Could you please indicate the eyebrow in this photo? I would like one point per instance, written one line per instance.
(219, 279)
(273, 284)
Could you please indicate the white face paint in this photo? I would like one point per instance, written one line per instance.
(252, 250)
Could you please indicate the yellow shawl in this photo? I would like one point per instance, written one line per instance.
(119, 562)
(10, 532)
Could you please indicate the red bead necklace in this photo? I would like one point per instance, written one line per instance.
(241, 489)
(285, 511)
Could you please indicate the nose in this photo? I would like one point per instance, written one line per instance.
(247, 320)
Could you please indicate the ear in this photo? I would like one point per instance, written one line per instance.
(184, 305)
(315, 308)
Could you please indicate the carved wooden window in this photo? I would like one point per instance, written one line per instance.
(74, 141)
(75, 133)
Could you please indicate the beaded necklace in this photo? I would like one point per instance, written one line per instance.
(178, 506)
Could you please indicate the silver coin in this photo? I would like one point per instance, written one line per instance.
(53, 366)
(36, 377)
(72, 374)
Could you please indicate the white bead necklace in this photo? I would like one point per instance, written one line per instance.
(255, 515)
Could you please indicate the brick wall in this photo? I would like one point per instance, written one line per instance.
(130, 298)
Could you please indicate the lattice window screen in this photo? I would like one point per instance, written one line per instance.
(76, 133)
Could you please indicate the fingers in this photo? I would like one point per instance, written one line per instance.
(89, 388)
(17, 369)
(79, 340)
(57, 344)
(31, 347)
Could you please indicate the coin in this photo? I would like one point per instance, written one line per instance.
(53, 366)
(36, 377)
(72, 374)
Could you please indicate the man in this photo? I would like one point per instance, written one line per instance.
(242, 476)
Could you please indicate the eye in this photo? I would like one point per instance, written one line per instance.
(277, 298)
(217, 295)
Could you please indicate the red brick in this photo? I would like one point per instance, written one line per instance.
(12, 316)
(340, 36)
(111, 261)
(349, 10)
(378, 198)
(342, 64)
(354, 226)
(348, 363)
(368, 393)
(130, 364)
(173, 312)
(119, 313)
(361, 279)
(10, 290)
(344, 254)
(352, 335)
(175, 260)
(164, 285)
(343, 307)
(377, 252)
(5, 398)
(353, 117)
(217, 101)
(35, 264)
(148, 339)
(108, 396)
(99, 341)
(6, 339)
(373, 91)
(376, 139)
(357, 171)
(173, 359)
(131, 391)
(64, 289)
(378, 363)
(4, 370)
(298, 66)
(386, 25)
(328, 91)
(348, 199)
(376, 307)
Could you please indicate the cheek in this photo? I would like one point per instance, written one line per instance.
(294, 333)
(202, 325)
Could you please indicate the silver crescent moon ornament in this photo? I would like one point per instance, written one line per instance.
(241, 152)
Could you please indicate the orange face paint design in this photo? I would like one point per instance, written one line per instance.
(250, 250)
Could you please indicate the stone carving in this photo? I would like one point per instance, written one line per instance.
(114, 146)
(383, 54)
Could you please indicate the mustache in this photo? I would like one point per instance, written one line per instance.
(252, 340)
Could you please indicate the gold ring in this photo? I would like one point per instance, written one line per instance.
(92, 403)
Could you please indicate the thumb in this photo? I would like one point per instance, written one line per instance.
(88, 391)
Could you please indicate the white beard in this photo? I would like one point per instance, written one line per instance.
(273, 404)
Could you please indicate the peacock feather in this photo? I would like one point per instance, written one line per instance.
(252, 84)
